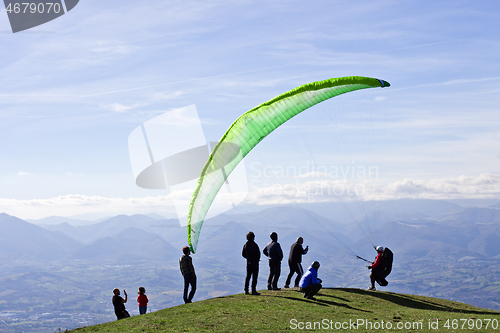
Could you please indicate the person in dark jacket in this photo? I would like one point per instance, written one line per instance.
(187, 270)
(119, 304)
(310, 284)
(373, 267)
(295, 261)
(251, 253)
(275, 254)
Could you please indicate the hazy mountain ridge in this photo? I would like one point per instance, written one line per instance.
(49, 220)
(22, 240)
(458, 232)
(344, 212)
(113, 226)
(130, 245)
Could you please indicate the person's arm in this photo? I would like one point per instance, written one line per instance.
(377, 261)
(265, 252)
(304, 251)
(314, 277)
(244, 251)
(125, 299)
(181, 265)
(191, 267)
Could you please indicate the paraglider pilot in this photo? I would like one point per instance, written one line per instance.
(375, 274)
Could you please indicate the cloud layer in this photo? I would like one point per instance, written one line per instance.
(484, 186)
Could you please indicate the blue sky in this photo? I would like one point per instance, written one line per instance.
(72, 90)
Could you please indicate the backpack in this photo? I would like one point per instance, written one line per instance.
(384, 269)
(386, 263)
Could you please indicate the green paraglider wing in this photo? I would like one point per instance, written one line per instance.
(253, 126)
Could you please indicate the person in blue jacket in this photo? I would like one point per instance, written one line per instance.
(310, 284)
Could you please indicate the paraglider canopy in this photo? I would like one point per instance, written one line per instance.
(250, 129)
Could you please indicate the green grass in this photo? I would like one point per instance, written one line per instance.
(281, 311)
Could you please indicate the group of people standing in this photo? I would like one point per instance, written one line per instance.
(309, 282)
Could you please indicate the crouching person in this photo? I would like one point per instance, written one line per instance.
(309, 283)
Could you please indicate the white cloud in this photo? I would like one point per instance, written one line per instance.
(162, 96)
(314, 174)
(484, 186)
(80, 204)
(155, 98)
(112, 48)
(117, 107)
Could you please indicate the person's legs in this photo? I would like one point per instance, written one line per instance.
(277, 272)
(372, 281)
(379, 277)
(189, 279)
(249, 274)
(306, 290)
(314, 289)
(311, 290)
(186, 286)
(271, 274)
(142, 309)
(193, 287)
(300, 271)
(255, 275)
(289, 277)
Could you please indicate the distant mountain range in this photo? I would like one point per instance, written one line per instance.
(20, 240)
(85, 219)
(129, 246)
(413, 228)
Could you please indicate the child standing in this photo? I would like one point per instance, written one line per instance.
(142, 299)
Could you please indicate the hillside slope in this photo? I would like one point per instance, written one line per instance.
(286, 310)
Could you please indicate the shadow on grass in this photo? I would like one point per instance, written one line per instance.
(412, 302)
(323, 302)
(340, 298)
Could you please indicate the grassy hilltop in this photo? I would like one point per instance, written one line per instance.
(287, 310)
